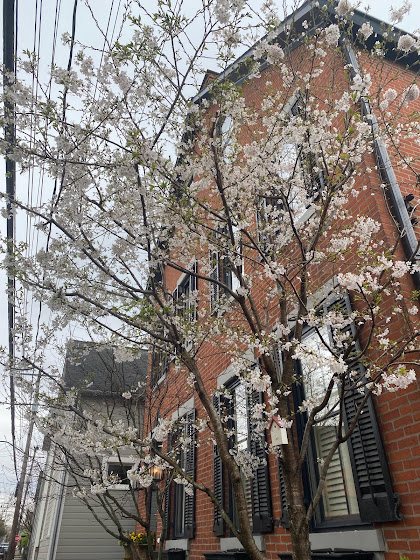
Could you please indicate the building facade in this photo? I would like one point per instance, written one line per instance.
(370, 507)
(66, 527)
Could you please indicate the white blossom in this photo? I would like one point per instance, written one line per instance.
(411, 93)
(400, 379)
(332, 34)
(344, 7)
(396, 15)
(366, 30)
(390, 94)
(361, 84)
(405, 42)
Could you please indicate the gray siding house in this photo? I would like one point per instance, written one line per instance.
(64, 527)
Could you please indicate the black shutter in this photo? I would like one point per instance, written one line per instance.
(214, 275)
(284, 518)
(219, 527)
(193, 288)
(189, 511)
(168, 490)
(227, 272)
(153, 509)
(194, 279)
(262, 513)
(376, 498)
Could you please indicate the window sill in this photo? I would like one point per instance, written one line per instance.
(232, 543)
(367, 540)
(334, 555)
(183, 544)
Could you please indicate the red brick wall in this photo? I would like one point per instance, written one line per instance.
(399, 413)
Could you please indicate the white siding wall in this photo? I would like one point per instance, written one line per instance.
(81, 537)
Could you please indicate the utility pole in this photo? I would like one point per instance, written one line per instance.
(10, 136)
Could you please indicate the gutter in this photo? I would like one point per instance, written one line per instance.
(409, 239)
(57, 520)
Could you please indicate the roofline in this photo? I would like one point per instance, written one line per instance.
(298, 16)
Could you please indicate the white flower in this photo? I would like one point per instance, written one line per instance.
(343, 8)
(332, 35)
(400, 268)
(411, 93)
(401, 379)
(390, 94)
(413, 310)
(126, 395)
(405, 42)
(366, 30)
(274, 53)
(397, 15)
(361, 84)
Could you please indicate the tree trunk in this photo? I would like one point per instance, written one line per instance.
(296, 509)
(301, 547)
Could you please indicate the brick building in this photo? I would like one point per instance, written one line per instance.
(371, 505)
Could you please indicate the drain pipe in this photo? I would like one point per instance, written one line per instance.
(57, 520)
(409, 238)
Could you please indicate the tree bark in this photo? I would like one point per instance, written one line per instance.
(296, 509)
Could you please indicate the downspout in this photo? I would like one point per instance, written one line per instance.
(409, 238)
(58, 516)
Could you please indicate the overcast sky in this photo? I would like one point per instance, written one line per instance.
(87, 33)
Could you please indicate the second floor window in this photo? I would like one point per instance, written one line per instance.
(185, 296)
(222, 269)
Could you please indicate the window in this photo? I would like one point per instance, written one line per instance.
(339, 496)
(359, 487)
(269, 210)
(313, 178)
(160, 364)
(222, 268)
(180, 500)
(115, 469)
(225, 133)
(241, 429)
(185, 296)
(300, 182)
(244, 438)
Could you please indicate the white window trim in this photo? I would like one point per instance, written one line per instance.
(184, 409)
(122, 460)
(230, 543)
(182, 278)
(227, 374)
(184, 275)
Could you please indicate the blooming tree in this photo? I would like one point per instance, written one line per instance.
(264, 195)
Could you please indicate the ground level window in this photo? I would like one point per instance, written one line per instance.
(118, 469)
(339, 496)
(242, 430)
